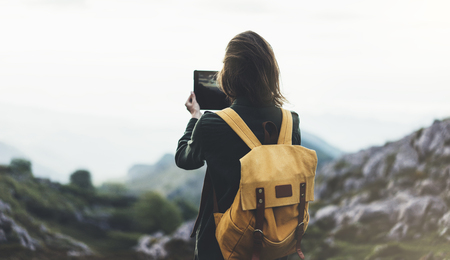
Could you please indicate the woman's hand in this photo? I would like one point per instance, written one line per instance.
(192, 106)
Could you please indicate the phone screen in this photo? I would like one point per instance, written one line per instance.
(208, 94)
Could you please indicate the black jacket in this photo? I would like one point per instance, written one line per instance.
(210, 139)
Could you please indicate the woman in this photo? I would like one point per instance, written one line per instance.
(250, 79)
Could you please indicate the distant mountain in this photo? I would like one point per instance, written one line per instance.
(325, 152)
(164, 176)
(8, 152)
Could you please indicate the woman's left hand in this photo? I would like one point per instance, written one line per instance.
(192, 106)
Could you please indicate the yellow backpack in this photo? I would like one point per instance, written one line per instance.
(269, 214)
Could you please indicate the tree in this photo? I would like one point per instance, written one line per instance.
(155, 213)
(82, 179)
(21, 167)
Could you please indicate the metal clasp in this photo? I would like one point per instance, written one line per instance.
(258, 230)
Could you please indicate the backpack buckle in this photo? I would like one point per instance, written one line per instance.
(258, 230)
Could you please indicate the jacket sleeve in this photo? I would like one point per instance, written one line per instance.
(296, 135)
(189, 154)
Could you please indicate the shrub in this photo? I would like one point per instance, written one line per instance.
(155, 213)
(82, 179)
(121, 219)
(21, 167)
(188, 210)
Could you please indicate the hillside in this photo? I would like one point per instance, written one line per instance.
(166, 178)
(388, 202)
(41, 219)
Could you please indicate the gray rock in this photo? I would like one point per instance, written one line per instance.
(351, 184)
(398, 231)
(396, 188)
(444, 222)
(433, 139)
(406, 158)
(154, 245)
(325, 217)
(13, 231)
(184, 231)
(376, 165)
(378, 211)
(429, 187)
(360, 198)
(2, 236)
(5, 207)
(73, 247)
(418, 210)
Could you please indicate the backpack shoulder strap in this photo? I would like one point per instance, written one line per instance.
(286, 128)
(239, 126)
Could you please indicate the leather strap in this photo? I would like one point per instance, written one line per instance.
(286, 128)
(239, 126)
(259, 222)
(270, 132)
(301, 225)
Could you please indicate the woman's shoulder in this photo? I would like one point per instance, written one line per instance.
(209, 116)
(294, 114)
(295, 117)
(210, 119)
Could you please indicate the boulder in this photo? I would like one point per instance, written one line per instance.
(11, 232)
(382, 213)
(154, 246)
(433, 140)
(406, 159)
(15, 233)
(398, 231)
(5, 207)
(420, 210)
(445, 220)
(325, 217)
(429, 187)
(376, 165)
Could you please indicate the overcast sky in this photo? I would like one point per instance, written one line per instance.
(100, 84)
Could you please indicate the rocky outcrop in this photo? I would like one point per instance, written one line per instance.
(13, 233)
(397, 192)
(158, 246)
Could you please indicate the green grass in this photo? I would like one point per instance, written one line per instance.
(345, 250)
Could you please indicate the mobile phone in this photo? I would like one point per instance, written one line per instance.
(209, 95)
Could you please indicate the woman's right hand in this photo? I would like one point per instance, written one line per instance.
(192, 106)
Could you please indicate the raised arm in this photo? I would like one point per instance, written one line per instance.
(189, 153)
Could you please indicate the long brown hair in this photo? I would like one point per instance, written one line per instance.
(251, 70)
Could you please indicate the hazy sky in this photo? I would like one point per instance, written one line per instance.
(100, 84)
